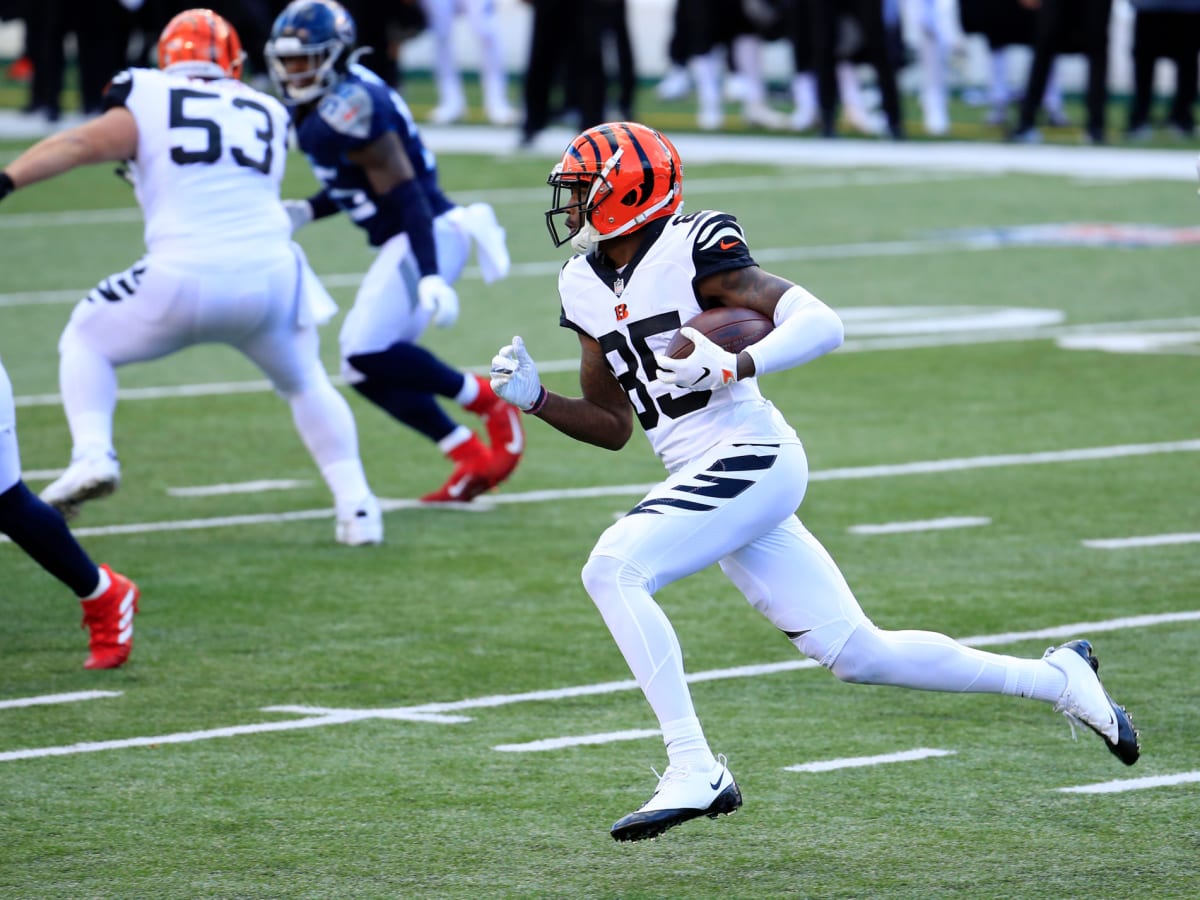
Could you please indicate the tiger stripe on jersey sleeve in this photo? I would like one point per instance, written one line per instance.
(718, 244)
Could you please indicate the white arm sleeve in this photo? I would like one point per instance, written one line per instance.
(805, 328)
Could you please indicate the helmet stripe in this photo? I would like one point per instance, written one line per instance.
(647, 169)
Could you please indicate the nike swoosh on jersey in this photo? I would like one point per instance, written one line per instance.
(725, 245)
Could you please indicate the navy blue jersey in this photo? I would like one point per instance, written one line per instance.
(358, 111)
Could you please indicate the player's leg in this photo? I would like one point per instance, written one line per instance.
(697, 516)
(382, 361)
(452, 101)
(129, 317)
(287, 352)
(109, 600)
(789, 577)
(493, 77)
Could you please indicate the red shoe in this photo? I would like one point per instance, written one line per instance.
(109, 619)
(471, 475)
(21, 70)
(505, 434)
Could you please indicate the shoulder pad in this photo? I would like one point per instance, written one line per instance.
(716, 231)
(347, 109)
(117, 91)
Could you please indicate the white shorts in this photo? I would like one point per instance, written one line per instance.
(385, 308)
(10, 455)
(735, 506)
(267, 309)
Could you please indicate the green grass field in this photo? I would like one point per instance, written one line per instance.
(301, 719)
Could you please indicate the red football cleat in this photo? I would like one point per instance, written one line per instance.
(471, 476)
(109, 620)
(505, 434)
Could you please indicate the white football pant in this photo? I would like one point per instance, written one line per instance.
(10, 454)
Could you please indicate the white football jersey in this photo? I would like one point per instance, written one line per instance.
(210, 159)
(634, 313)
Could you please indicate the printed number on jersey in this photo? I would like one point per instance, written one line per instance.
(634, 351)
(195, 111)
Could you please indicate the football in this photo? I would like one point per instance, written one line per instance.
(733, 328)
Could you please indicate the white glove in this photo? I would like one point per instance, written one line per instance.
(707, 368)
(515, 376)
(439, 298)
(299, 211)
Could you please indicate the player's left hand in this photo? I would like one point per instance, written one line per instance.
(707, 368)
(439, 298)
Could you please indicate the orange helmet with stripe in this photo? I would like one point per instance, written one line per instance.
(200, 43)
(614, 178)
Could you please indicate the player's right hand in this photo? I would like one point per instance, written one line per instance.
(515, 376)
(299, 211)
(439, 298)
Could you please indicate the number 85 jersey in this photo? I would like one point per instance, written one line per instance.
(633, 314)
(210, 159)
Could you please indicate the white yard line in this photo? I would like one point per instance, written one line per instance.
(927, 467)
(46, 699)
(1133, 784)
(1150, 540)
(241, 487)
(921, 525)
(855, 762)
(435, 712)
(583, 740)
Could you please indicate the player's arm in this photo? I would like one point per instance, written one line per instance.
(108, 138)
(805, 327)
(602, 416)
(390, 172)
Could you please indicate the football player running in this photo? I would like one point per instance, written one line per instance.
(364, 147)
(206, 155)
(108, 598)
(736, 470)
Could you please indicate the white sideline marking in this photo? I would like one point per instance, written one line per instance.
(1133, 784)
(636, 734)
(482, 504)
(921, 525)
(41, 474)
(427, 712)
(46, 699)
(854, 762)
(242, 487)
(1150, 540)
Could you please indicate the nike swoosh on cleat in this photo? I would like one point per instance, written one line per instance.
(456, 489)
(716, 784)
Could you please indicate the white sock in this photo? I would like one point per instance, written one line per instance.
(456, 438)
(686, 745)
(326, 426)
(103, 585)
(88, 383)
(469, 391)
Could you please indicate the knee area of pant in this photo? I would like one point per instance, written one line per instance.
(603, 573)
(860, 657)
(827, 645)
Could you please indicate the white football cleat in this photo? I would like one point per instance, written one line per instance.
(86, 478)
(682, 794)
(1085, 701)
(361, 526)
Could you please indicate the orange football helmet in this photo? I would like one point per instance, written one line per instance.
(617, 177)
(201, 43)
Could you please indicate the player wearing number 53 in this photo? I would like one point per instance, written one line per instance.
(736, 470)
(206, 155)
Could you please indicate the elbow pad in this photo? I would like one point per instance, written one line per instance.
(805, 328)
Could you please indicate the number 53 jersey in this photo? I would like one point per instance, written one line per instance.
(210, 159)
(633, 314)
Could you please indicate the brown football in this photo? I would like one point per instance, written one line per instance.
(733, 328)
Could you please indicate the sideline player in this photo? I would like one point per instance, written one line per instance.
(736, 470)
(206, 154)
(109, 599)
(364, 147)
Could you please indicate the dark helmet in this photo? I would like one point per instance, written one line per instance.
(319, 31)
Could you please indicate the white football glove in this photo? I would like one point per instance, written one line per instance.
(299, 211)
(515, 376)
(439, 298)
(707, 368)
